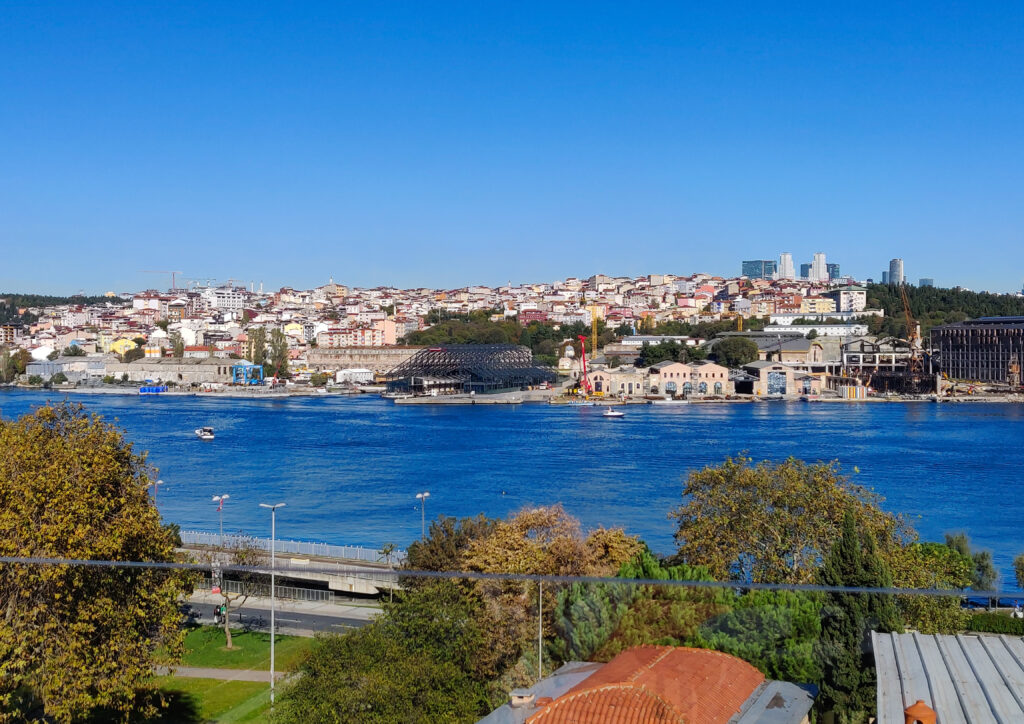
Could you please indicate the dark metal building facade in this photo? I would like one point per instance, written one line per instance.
(463, 368)
(989, 349)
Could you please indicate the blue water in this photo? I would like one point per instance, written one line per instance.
(349, 467)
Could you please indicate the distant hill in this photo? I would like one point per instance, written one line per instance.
(10, 303)
(934, 306)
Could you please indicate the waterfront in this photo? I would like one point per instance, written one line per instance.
(349, 467)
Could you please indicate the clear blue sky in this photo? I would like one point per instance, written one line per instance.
(440, 144)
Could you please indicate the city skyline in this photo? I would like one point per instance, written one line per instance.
(415, 147)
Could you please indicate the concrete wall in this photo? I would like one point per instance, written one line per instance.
(377, 359)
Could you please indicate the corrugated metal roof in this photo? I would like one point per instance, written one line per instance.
(965, 678)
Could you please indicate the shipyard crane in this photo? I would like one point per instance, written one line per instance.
(914, 365)
(173, 274)
(583, 362)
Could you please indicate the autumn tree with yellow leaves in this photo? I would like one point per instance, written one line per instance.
(76, 639)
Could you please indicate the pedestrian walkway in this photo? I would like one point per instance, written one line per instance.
(201, 672)
(364, 611)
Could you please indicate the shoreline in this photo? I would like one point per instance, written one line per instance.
(503, 398)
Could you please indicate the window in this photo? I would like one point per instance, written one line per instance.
(702, 388)
(718, 388)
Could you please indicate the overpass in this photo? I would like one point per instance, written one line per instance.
(343, 569)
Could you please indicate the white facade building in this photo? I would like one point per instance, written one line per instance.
(786, 270)
(819, 270)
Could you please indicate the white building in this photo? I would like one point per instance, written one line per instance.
(786, 270)
(819, 270)
(849, 299)
(354, 375)
(228, 299)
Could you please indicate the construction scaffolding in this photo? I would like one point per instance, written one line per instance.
(467, 368)
(989, 349)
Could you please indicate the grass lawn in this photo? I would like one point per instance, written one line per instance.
(204, 646)
(205, 700)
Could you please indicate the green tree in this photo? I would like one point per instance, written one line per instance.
(446, 543)
(931, 565)
(844, 650)
(1018, 570)
(258, 344)
(132, 354)
(163, 324)
(666, 615)
(20, 360)
(35, 380)
(177, 345)
(781, 518)
(410, 665)
(651, 354)
(76, 639)
(58, 378)
(735, 352)
(776, 631)
(74, 351)
(7, 372)
(53, 355)
(279, 354)
(984, 576)
(318, 379)
(586, 616)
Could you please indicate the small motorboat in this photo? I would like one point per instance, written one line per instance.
(205, 433)
(609, 412)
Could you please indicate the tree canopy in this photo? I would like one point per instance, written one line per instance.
(76, 639)
(781, 518)
(413, 664)
(932, 306)
(735, 352)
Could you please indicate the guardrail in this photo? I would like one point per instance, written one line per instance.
(262, 590)
(295, 547)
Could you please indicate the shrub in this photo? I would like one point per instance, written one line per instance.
(996, 623)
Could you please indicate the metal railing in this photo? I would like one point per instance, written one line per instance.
(262, 590)
(294, 547)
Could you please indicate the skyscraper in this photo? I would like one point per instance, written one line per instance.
(759, 269)
(885, 277)
(926, 282)
(833, 271)
(805, 271)
(786, 270)
(819, 271)
(896, 272)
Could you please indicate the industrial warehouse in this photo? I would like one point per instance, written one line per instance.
(988, 349)
(467, 368)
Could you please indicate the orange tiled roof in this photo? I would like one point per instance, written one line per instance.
(657, 685)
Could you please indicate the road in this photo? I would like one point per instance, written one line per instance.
(297, 623)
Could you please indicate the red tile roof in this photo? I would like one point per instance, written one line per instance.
(657, 685)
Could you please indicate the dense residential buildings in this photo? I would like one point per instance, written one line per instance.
(194, 336)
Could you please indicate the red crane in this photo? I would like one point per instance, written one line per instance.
(583, 360)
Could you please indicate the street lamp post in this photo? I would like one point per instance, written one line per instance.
(422, 497)
(273, 537)
(156, 486)
(219, 500)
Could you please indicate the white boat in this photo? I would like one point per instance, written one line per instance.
(609, 412)
(205, 433)
(670, 401)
